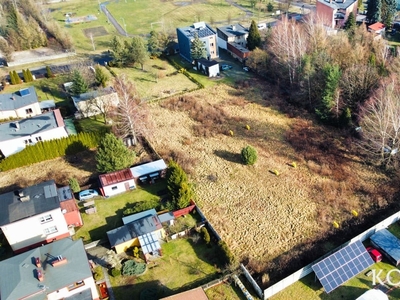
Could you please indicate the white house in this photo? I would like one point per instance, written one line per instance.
(232, 34)
(59, 270)
(149, 171)
(116, 182)
(16, 135)
(32, 216)
(21, 104)
(96, 102)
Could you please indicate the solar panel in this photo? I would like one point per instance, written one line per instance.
(24, 92)
(342, 265)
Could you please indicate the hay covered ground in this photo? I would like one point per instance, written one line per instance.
(259, 214)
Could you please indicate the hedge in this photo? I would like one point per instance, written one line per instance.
(46, 150)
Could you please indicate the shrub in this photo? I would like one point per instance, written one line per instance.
(249, 155)
(226, 254)
(115, 272)
(205, 235)
(74, 185)
(49, 73)
(131, 267)
(98, 273)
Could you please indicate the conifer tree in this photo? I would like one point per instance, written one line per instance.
(49, 73)
(374, 11)
(17, 79)
(79, 86)
(388, 12)
(30, 76)
(350, 25)
(12, 79)
(197, 49)
(178, 187)
(100, 77)
(254, 38)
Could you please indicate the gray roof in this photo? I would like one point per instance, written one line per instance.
(21, 98)
(201, 28)
(389, 243)
(42, 197)
(18, 275)
(166, 217)
(34, 125)
(133, 230)
(93, 94)
(233, 30)
(207, 63)
(139, 215)
(338, 4)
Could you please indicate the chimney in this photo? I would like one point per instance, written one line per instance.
(16, 124)
(59, 261)
(40, 275)
(233, 27)
(38, 262)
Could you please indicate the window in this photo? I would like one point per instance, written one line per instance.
(28, 141)
(114, 188)
(212, 44)
(50, 230)
(76, 285)
(46, 218)
(28, 110)
(38, 138)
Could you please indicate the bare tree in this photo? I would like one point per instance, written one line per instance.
(104, 102)
(288, 43)
(131, 118)
(380, 121)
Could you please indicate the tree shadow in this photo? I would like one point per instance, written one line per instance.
(75, 147)
(149, 290)
(229, 156)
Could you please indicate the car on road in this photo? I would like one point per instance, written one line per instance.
(226, 67)
(87, 194)
(375, 254)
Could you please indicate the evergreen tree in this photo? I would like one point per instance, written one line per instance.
(138, 51)
(17, 79)
(249, 155)
(270, 6)
(388, 12)
(360, 5)
(49, 73)
(197, 49)
(374, 11)
(74, 185)
(25, 76)
(153, 44)
(113, 155)
(30, 76)
(332, 76)
(12, 79)
(254, 38)
(117, 50)
(79, 86)
(100, 77)
(350, 25)
(178, 187)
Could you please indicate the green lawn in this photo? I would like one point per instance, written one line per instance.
(109, 211)
(183, 265)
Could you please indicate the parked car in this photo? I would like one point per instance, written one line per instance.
(246, 69)
(375, 254)
(226, 67)
(87, 194)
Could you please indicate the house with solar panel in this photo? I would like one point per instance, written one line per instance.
(16, 135)
(142, 230)
(116, 182)
(20, 104)
(59, 270)
(205, 33)
(38, 215)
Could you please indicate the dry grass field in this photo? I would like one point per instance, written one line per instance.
(259, 214)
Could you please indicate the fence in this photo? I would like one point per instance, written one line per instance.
(183, 211)
(209, 225)
(279, 286)
(252, 281)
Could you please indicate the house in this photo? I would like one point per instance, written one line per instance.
(333, 13)
(148, 172)
(196, 293)
(116, 182)
(59, 270)
(208, 67)
(205, 33)
(95, 102)
(21, 104)
(36, 215)
(377, 28)
(16, 135)
(232, 34)
(69, 208)
(143, 230)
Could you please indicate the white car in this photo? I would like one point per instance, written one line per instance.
(246, 69)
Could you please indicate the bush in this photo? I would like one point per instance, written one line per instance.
(226, 254)
(98, 273)
(131, 267)
(115, 272)
(249, 155)
(74, 185)
(205, 235)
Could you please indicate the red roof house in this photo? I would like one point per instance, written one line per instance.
(377, 28)
(116, 182)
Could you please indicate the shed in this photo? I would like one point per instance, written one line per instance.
(116, 182)
(208, 67)
(374, 294)
(149, 171)
(388, 244)
(377, 28)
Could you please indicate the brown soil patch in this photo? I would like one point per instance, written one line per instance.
(261, 215)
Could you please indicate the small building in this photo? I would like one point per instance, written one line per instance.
(388, 244)
(204, 32)
(235, 33)
(116, 182)
(59, 270)
(34, 216)
(374, 294)
(196, 293)
(143, 230)
(148, 172)
(335, 13)
(69, 208)
(377, 28)
(21, 104)
(238, 51)
(95, 102)
(208, 67)
(16, 135)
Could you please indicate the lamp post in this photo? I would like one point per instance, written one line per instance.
(123, 20)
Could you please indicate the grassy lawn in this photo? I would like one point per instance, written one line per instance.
(109, 211)
(225, 291)
(183, 265)
(93, 124)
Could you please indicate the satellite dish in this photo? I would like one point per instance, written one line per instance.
(64, 211)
